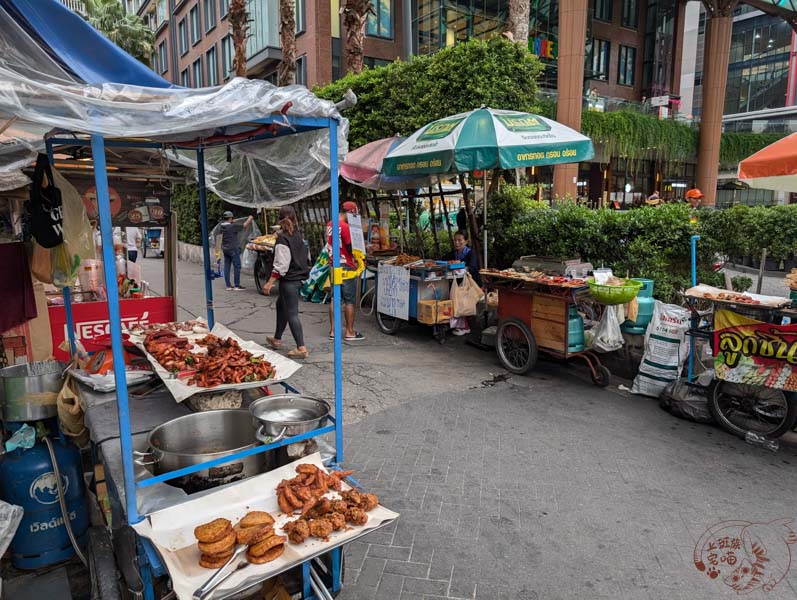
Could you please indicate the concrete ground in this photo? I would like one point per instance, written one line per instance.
(533, 487)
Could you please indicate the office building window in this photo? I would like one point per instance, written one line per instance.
(372, 62)
(185, 78)
(301, 25)
(630, 14)
(272, 78)
(627, 66)
(196, 69)
(598, 59)
(212, 66)
(226, 56)
(182, 35)
(602, 10)
(381, 24)
(301, 70)
(163, 60)
(161, 12)
(209, 8)
(224, 8)
(196, 31)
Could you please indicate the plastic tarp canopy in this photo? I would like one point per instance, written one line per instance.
(37, 95)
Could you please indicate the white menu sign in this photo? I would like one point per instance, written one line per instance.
(356, 229)
(393, 291)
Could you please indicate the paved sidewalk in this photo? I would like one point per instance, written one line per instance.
(545, 487)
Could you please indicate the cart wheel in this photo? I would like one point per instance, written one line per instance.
(440, 335)
(387, 324)
(263, 267)
(741, 408)
(602, 376)
(516, 347)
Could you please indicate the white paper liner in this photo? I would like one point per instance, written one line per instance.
(172, 530)
(179, 388)
(700, 290)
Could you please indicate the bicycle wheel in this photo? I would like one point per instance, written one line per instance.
(516, 347)
(263, 267)
(387, 324)
(740, 408)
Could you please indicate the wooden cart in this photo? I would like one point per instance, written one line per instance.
(533, 317)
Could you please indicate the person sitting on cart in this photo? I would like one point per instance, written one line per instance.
(348, 289)
(465, 254)
(231, 248)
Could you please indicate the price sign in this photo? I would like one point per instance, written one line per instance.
(356, 229)
(393, 291)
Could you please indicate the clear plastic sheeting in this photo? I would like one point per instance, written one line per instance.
(36, 95)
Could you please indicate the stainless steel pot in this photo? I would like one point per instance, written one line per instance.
(286, 415)
(200, 437)
(29, 392)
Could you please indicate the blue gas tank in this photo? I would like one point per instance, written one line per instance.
(27, 480)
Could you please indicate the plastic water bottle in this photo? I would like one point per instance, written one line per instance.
(761, 441)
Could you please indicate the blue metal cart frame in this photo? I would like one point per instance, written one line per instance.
(149, 561)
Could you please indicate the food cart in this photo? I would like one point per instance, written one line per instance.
(144, 511)
(537, 313)
(418, 291)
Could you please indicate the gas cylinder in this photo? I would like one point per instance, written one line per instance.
(575, 331)
(27, 480)
(645, 302)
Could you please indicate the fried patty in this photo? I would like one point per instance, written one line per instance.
(267, 544)
(252, 535)
(214, 562)
(272, 554)
(213, 531)
(256, 517)
(223, 545)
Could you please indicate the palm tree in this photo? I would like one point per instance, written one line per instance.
(287, 68)
(239, 25)
(355, 18)
(128, 31)
(517, 23)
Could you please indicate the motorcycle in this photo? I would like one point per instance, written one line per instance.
(263, 249)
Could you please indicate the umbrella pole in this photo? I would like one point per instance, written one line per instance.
(445, 212)
(484, 213)
(472, 224)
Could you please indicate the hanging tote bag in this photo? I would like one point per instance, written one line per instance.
(465, 295)
(45, 206)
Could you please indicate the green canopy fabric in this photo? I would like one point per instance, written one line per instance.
(486, 139)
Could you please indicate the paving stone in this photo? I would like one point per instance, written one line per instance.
(408, 569)
(390, 552)
(426, 586)
(389, 587)
(371, 572)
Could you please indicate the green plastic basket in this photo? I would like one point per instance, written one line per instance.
(614, 294)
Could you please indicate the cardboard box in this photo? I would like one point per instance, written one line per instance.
(435, 311)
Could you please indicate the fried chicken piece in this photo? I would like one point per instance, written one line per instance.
(318, 509)
(351, 497)
(320, 528)
(368, 501)
(303, 492)
(290, 496)
(339, 506)
(297, 530)
(356, 516)
(307, 469)
(285, 506)
(337, 519)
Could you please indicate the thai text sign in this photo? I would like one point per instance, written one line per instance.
(393, 291)
(753, 352)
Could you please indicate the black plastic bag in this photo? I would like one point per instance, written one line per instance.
(686, 401)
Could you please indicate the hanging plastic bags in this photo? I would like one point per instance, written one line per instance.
(465, 295)
(608, 336)
(40, 263)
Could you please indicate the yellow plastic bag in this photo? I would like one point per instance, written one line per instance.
(70, 415)
(465, 295)
(64, 265)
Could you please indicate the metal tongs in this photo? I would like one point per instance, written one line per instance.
(220, 576)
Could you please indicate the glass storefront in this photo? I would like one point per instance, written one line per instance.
(759, 65)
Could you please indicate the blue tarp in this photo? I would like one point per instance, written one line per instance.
(77, 46)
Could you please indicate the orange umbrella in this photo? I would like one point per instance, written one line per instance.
(774, 167)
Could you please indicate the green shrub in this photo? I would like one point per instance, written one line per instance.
(741, 283)
(185, 202)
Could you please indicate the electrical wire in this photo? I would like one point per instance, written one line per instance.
(62, 502)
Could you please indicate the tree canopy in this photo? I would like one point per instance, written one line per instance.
(403, 96)
(127, 31)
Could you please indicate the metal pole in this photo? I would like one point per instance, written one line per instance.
(337, 273)
(115, 324)
(695, 321)
(67, 293)
(484, 213)
(203, 220)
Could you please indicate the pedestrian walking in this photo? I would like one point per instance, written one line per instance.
(231, 248)
(291, 269)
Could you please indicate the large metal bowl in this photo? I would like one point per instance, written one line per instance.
(286, 415)
(200, 437)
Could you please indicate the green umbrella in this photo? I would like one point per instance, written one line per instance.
(487, 139)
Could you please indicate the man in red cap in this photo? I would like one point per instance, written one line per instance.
(348, 289)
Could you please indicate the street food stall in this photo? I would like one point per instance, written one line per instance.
(178, 480)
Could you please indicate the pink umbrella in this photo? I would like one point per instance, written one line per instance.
(363, 167)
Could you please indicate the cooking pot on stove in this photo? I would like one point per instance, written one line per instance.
(200, 437)
(285, 415)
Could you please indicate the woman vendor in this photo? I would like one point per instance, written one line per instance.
(466, 254)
